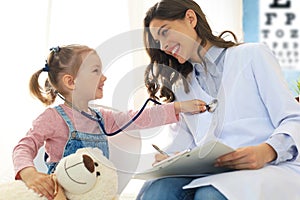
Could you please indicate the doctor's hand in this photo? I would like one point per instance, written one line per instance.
(252, 157)
(159, 157)
(192, 106)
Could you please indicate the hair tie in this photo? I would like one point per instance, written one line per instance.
(55, 49)
(46, 68)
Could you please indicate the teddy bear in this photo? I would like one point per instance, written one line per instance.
(86, 174)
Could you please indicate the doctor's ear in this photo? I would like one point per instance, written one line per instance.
(191, 17)
(69, 81)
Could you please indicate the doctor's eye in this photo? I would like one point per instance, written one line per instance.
(164, 32)
(96, 164)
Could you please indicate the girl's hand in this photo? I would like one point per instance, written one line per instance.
(40, 183)
(253, 157)
(192, 106)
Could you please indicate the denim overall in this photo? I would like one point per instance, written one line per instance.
(79, 140)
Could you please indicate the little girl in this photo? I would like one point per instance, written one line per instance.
(75, 75)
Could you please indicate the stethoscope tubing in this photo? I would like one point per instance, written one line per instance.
(128, 123)
(209, 107)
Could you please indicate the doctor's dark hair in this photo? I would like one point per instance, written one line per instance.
(61, 60)
(164, 70)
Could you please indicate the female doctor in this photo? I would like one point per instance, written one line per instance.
(256, 113)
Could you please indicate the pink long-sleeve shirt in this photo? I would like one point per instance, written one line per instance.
(50, 129)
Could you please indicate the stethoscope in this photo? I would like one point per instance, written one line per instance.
(211, 107)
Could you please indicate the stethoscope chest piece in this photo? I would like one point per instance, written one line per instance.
(212, 106)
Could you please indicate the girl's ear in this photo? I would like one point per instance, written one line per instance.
(191, 17)
(68, 81)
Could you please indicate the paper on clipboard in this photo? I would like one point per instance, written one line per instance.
(198, 161)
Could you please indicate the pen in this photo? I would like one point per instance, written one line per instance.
(159, 150)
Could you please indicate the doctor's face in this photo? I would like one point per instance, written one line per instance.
(177, 38)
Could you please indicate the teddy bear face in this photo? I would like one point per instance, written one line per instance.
(87, 174)
(76, 173)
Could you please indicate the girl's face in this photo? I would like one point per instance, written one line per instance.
(90, 80)
(177, 38)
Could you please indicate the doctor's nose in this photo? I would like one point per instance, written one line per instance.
(163, 46)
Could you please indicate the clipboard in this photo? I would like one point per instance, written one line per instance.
(196, 162)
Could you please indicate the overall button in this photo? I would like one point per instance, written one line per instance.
(73, 135)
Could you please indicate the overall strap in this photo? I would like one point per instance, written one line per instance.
(63, 114)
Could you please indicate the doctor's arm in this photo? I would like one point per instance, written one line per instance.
(281, 145)
(279, 148)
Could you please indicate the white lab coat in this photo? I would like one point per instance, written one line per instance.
(254, 104)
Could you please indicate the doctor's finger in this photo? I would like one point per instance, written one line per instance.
(231, 156)
(236, 163)
(242, 165)
(229, 163)
(247, 161)
(159, 157)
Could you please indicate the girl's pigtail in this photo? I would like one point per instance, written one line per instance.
(44, 95)
(50, 92)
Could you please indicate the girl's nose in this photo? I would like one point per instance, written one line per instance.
(103, 78)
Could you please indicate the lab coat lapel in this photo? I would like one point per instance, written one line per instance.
(196, 122)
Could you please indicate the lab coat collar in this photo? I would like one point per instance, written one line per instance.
(211, 59)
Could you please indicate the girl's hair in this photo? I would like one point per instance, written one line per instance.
(164, 70)
(61, 60)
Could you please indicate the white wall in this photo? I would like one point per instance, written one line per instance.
(22, 51)
(28, 29)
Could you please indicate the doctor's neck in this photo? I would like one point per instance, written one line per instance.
(203, 50)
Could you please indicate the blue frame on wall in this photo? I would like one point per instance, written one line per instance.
(251, 20)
